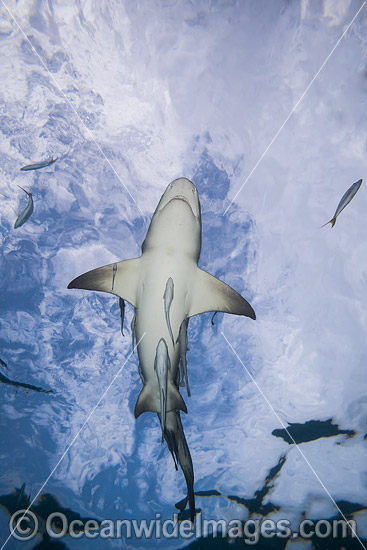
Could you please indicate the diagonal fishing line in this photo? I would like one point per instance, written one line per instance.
(71, 106)
(72, 441)
(292, 438)
(294, 108)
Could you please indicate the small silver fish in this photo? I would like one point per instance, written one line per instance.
(26, 213)
(167, 298)
(114, 271)
(182, 341)
(345, 200)
(162, 365)
(122, 311)
(133, 331)
(38, 165)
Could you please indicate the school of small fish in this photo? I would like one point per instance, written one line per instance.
(26, 213)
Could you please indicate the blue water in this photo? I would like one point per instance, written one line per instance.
(129, 96)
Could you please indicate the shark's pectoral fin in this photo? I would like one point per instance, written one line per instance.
(210, 294)
(148, 401)
(121, 279)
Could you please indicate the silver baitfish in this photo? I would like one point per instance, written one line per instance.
(38, 165)
(26, 213)
(114, 271)
(344, 201)
(122, 313)
(167, 298)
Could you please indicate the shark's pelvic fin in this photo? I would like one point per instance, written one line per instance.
(121, 279)
(167, 298)
(147, 403)
(210, 294)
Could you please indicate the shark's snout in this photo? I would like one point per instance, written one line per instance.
(181, 189)
(182, 185)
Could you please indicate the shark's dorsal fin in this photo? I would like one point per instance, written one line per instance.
(210, 294)
(121, 279)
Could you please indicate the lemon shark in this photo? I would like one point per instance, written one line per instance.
(166, 287)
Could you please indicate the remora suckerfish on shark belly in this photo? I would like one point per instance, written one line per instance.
(166, 287)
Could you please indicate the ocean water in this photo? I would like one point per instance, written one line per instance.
(263, 106)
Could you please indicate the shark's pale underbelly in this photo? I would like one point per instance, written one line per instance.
(151, 322)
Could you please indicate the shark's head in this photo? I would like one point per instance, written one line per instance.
(176, 223)
(181, 189)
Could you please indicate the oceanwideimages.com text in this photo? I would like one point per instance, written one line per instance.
(24, 525)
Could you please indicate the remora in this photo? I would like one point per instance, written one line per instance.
(171, 249)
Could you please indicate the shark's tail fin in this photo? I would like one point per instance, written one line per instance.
(176, 441)
(332, 221)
